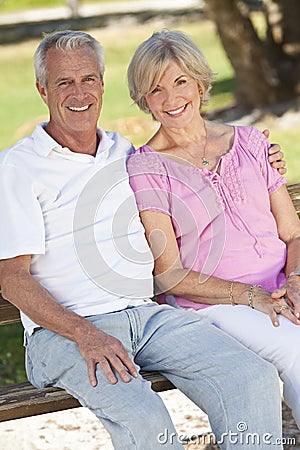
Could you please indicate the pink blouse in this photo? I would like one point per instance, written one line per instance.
(222, 221)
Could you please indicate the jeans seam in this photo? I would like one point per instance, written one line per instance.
(135, 327)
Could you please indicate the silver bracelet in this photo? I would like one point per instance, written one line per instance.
(250, 294)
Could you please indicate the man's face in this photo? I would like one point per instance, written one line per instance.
(74, 92)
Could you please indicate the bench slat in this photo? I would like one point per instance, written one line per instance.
(24, 400)
(8, 312)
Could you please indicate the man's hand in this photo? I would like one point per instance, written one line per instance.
(97, 347)
(274, 304)
(291, 291)
(276, 156)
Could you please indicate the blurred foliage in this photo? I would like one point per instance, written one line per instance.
(19, 5)
(11, 354)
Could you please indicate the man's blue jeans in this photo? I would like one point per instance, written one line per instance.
(238, 390)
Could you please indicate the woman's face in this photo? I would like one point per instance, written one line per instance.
(175, 101)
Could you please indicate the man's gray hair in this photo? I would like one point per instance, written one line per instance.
(64, 40)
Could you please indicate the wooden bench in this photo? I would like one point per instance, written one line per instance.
(24, 400)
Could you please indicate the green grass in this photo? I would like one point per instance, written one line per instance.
(19, 5)
(11, 354)
(289, 141)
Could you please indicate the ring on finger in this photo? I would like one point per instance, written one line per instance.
(282, 308)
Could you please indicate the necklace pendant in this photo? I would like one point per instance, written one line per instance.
(205, 162)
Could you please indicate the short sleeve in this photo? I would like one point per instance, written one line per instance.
(149, 181)
(259, 145)
(21, 224)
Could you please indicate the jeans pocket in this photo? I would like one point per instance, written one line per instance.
(34, 364)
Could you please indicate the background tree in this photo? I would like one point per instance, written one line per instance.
(267, 69)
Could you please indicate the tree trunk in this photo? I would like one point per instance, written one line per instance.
(259, 78)
(283, 18)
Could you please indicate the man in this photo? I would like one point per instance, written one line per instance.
(74, 260)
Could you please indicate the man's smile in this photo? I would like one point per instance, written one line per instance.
(77, 108)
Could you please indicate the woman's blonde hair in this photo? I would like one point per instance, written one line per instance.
(152, 57)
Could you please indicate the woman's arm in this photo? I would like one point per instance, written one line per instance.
(172, 278)
(288, 226)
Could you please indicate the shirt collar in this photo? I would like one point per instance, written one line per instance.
(45, 144)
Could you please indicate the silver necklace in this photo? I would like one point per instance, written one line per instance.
(205, 162)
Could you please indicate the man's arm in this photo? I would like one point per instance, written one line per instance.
(96, 347)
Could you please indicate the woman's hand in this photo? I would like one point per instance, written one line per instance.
(274, 304)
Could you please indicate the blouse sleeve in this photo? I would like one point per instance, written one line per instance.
(258, 146)
(149, 181)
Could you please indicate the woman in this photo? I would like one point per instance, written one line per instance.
(221, 225)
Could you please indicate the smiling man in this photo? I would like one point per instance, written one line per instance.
(75, 261)
(73, 93)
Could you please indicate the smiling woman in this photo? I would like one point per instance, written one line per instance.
(200, 187)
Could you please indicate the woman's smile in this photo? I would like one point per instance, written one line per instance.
(178, 111)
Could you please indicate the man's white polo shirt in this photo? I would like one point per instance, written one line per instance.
(76, 215)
